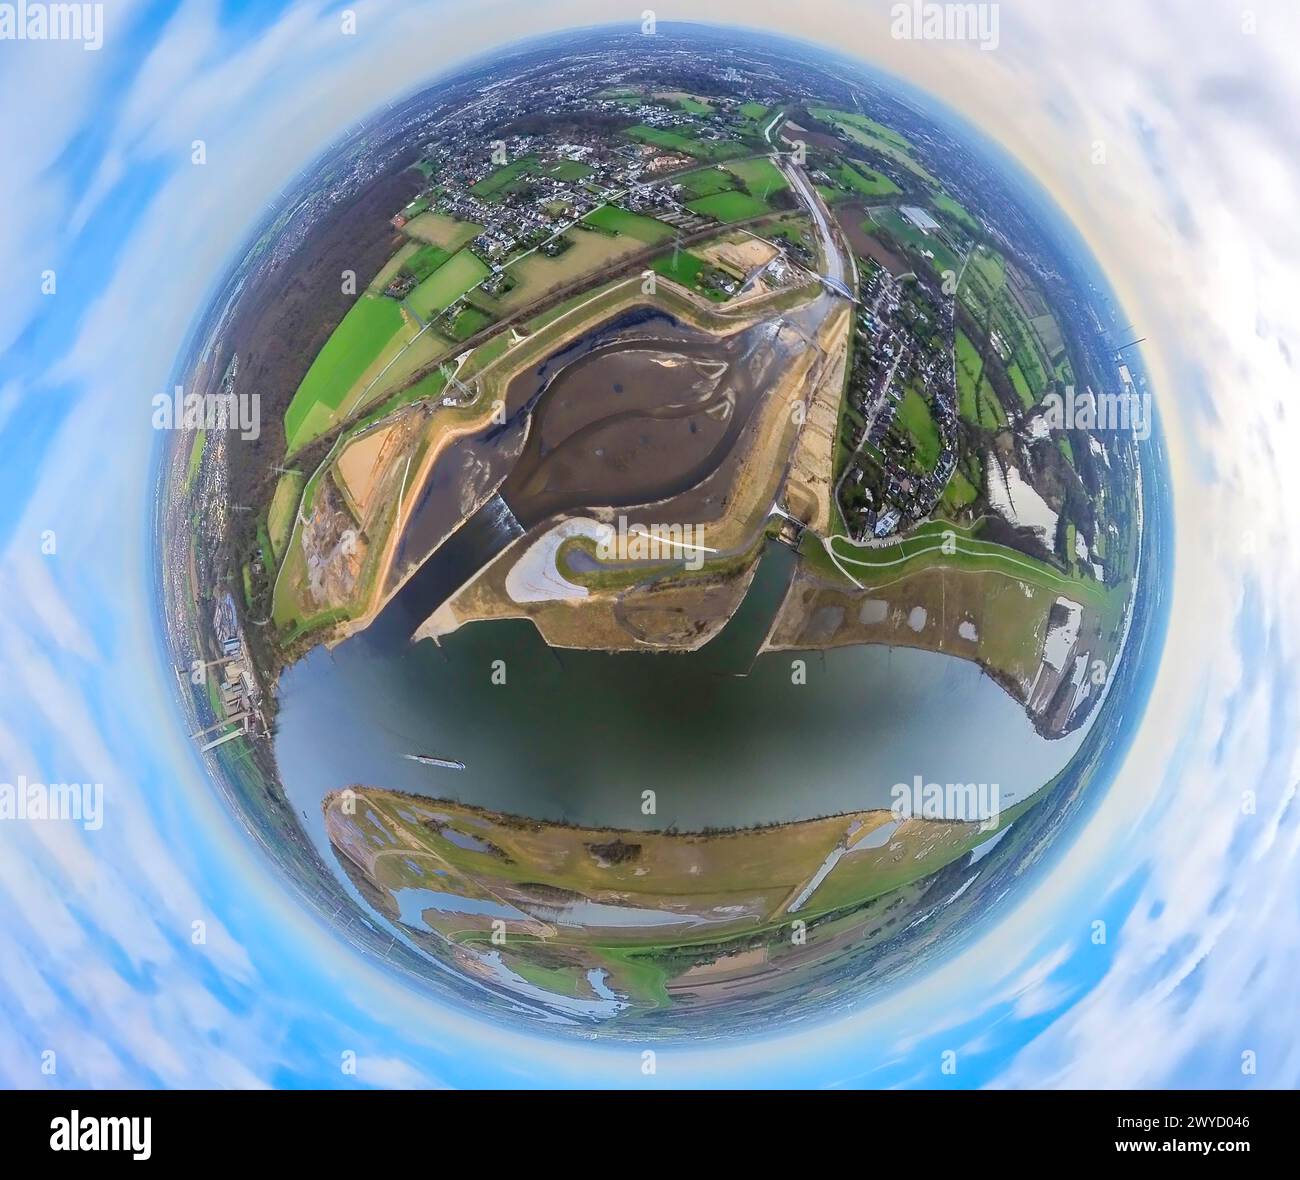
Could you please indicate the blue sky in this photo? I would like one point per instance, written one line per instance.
(1191, 215)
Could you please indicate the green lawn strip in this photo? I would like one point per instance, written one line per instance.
(924, 549)
(284, 506)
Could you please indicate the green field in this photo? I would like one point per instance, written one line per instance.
(447, 284)
(753, 111)
(693, 106)
(986, 293)
(686, 269)
(425, 261)
(925, 548)
(687, 144)
(875, 136)
(945, 204)
(371, 323)
(990, 266)
(704, 182)
(195, 459)
(439, 230)
(915, 417)
(761, 176)
(614, 220)
(469, 320)
(1023, 392)
(568, 170)
(906, 234)
(976, 400)
(494, 186)
(728, 207)
(280, 516)
(393, 267)
(959, 492)
(866, 181)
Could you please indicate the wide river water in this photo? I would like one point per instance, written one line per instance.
(723, 738)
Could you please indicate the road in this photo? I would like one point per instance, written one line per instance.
(836, 269)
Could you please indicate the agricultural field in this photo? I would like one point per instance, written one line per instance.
(692, 105)
(447, 284)
(906, 234)
(613, 220)
(944, 204)
(372, 324)
(958, 494)
(686, 268)
(687, 144)
(591, 250)
(280, 516)
(866, 181)
(997, 298)
(439, 230)
(469, 321)
(875, 136)
(196, 458)
(705, 182)
(393, 268)
(762, 178)
(729, 207)
(424, 262)
(976, 400)
(495, 186)
(915, 417)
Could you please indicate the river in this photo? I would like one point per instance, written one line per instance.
(722, 738)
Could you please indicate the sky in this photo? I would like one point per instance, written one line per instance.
(1169, 139)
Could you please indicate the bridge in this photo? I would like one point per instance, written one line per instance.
(838, 287)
